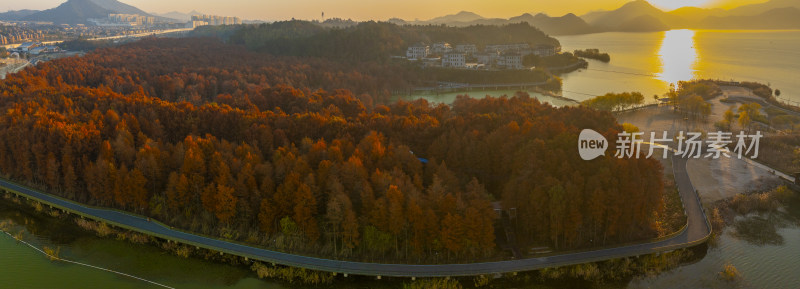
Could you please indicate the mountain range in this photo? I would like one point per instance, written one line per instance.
(77, 12)
(15, 15)
(563, 25)
(641, 16)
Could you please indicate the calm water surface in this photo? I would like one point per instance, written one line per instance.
(649, 62)
(449, 97)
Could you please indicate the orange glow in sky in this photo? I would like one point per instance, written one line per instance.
(382, 9)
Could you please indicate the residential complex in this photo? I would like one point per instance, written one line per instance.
(417, 51)
(217, 20)
(500, 56)
(454, 59)
(131, 19)
(467, 48)
(13, 34)
(34, 48)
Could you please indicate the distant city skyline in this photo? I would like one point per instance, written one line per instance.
(381, 10)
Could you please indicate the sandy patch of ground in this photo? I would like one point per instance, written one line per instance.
(714, 179)
(12, 64)
(725, 177)
(735, 96)
(650, 119)
(662, 118)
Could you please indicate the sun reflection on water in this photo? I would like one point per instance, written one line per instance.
(678, 56)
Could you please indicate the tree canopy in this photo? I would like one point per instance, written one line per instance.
(292, 154)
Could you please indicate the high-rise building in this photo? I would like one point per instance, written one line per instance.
(131, 19)
(217, 20)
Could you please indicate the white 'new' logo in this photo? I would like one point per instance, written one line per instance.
(591, 144)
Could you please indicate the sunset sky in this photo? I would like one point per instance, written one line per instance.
(380, 9)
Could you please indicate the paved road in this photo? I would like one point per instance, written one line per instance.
(696, 233)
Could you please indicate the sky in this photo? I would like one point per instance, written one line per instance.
(380, 9)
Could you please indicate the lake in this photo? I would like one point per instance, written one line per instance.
(449, 97)
(649, 62)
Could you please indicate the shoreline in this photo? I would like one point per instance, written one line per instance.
(467, 92)
(132, 222)
(637, 267)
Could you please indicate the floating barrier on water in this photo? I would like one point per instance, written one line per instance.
(52, 257)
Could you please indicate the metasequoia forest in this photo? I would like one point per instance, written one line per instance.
(307, 155)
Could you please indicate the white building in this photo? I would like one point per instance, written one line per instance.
(507, 47)
(469, 49)
(441, 48)
(510, 60)
(25, 47)
(454, 59)
(44, 49)
(545, 50)
(487, 58)
(417, 51)
(132, 19)
(195, 24)
(217, 20)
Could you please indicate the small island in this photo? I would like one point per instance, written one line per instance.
(593, 54)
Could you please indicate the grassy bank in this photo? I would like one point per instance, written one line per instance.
(607, 271)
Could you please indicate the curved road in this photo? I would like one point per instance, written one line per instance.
(696, 232)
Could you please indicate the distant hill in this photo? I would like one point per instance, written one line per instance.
(369, 41)
(462, 16)
(693, 15)
(644, 23)
(639, 15)
(119, 7)
(565, 25)
(625, 17)
(70, 12)
(180, 16)
(778, 18)
(78, 11)
(14, 15)
(756, 9)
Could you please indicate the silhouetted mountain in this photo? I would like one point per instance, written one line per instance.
(180, 16)
(14, 15)
(397, 21)
(462, 16)
(756, 9)
(564, 25)
(485, 21)
(70, 12)
(644, 23)
(625, 17)
(119, 7)
(779, 18)
(641, 16)
(692, 15)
